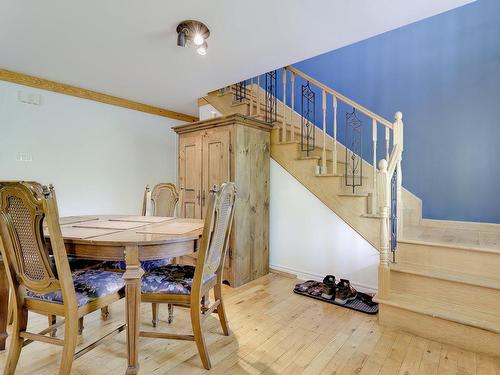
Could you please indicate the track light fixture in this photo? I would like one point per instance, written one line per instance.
(195, 32)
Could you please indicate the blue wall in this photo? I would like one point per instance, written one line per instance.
(443, 73)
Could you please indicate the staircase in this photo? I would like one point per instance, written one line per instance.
(437, 279)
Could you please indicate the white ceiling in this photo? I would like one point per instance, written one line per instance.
(128, 48)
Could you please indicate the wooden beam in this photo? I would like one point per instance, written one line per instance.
(62, 88)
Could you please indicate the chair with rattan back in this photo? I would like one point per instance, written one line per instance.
(186, 285)
(38, 282)
(162, 200)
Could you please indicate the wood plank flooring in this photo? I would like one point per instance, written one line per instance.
(273, 332)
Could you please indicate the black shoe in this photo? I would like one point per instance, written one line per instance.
(329, 287)
(345, 292)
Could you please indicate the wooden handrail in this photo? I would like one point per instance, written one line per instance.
(394, 159)
(339, 96)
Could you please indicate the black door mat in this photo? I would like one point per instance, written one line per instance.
(362, 303)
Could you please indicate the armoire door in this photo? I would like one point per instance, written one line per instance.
(190, 155)
(215, 161)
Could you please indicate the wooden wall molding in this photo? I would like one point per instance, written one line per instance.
(62, 88)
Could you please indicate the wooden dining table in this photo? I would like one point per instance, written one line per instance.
(121, 238)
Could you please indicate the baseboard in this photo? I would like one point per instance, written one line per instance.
(282, 273)
(305, 275)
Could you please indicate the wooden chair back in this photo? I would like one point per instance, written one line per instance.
(23, 208)
(163, 200)
(216, 232)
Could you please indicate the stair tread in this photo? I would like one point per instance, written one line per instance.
(460, 238)
(328, 175)
(452, 245)
(462, 314)
(371, 216)
(356, 195)
(445, 274)
(308, 158)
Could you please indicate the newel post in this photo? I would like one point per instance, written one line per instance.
(383, 200)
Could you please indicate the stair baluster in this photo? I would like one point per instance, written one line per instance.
(271, 97)
(383, 211)
(308, 119)
(374, 139)
(283, 129)
(323, 153)
(292, 109)
(354, 150)
(258, 97)
(387, 140)
(394, 213)
(334, 158)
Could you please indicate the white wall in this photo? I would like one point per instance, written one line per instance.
(208, 111)
(309, 240)
(99, 157)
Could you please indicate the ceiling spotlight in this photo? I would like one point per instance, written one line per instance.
(198, 40)
(202, 50)
(194, 32)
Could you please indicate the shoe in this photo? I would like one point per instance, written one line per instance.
(315, 289)
(304, 287)
(328, 287)
(345, 292)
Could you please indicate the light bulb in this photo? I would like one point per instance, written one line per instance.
(202, 50)
(198, 39)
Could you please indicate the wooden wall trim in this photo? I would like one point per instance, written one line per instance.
(61, 88)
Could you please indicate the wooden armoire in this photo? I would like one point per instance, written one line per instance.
(231, 148)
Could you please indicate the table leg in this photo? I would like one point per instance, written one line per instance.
(132, 276)
(4, 305)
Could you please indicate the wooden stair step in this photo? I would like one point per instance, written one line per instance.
(371, 216)
(355, 195)
(454, 245)
(420, 285)
(328, 175)
(457, 259)
(239, 104)
(435, 308)
(445, 274)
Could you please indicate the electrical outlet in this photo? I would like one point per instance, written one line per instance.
(24, 157)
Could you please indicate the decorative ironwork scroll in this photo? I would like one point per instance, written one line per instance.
(271, 96)
(354, 150)
(308, 117)
(240, 92)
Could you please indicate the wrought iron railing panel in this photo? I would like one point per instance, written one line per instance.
(240, 92)
(271, 96)
(308, 119)
(394, 213)
(353, 173)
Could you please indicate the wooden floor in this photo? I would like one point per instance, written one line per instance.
(273, 332)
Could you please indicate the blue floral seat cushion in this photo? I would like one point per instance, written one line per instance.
(170, 279)
(89, 285)
(76, 264)
(147, 265)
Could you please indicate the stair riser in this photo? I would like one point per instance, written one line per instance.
(473, 262)
(463, 336)
(460, 294)
(360, 204)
